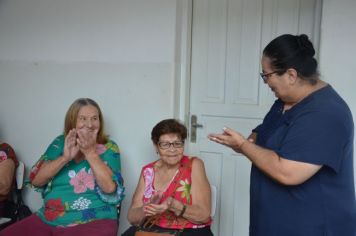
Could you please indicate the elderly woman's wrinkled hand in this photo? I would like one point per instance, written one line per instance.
(86, 140)
(152, 209)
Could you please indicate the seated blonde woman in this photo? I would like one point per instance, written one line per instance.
(173, 192)
(79, 178)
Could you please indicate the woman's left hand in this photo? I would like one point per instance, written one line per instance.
(152, 209)
(229, 138)
(87, 140)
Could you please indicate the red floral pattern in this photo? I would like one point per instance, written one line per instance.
(53, 209)
(35, 169)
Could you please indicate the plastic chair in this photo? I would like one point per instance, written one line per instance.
(213, 200)
(20, 173)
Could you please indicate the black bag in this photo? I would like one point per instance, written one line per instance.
(16, 210)
(136, 230)
(157, 232)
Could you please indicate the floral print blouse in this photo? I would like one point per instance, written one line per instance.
(73, 197)
(179, 188)
(6, 152)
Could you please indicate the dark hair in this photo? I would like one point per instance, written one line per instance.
(72, 115)
(293, 51)
(168, 126)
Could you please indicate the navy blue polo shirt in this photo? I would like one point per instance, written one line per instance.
(318, 130)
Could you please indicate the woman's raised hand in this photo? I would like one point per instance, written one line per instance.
(229, 138)
(71, 148)
(86, 140)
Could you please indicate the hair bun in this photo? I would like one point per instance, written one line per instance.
(305, 45)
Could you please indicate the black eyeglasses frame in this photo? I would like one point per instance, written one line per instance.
(176, 144)
(265, 76)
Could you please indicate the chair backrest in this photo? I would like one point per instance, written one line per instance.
(16, 210)
(213, 200)
(20, 173)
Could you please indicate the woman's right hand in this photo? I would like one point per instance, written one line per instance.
(71, 147)
(49, 168)
(152, 209)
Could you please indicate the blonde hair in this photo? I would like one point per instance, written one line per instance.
(72, 115)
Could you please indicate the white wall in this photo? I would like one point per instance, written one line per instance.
(118, 52)
(122, 54)
(338, 50)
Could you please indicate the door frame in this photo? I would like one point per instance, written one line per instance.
(182, 65)
(183, 52)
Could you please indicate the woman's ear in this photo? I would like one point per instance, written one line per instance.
(156, 147)
(292, 75)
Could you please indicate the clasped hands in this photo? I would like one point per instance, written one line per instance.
(154, 207)
(83, 140)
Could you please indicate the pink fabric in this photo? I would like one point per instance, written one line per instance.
(34, 225)
(148, 175)
(81, 181)
(3, 156)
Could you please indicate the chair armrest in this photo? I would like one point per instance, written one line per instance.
(20, 172)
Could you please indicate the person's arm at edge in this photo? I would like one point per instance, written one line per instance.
(7, 171)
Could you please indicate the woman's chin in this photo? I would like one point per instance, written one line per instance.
(276, 94)
(172, 161)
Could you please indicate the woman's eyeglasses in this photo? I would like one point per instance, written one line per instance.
(167, 145)
(265, 76)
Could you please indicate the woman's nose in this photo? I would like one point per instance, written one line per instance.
(89, 123)
(172, 148)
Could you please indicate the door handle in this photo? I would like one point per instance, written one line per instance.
(193, 128)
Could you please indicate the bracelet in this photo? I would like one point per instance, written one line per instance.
(183, 210)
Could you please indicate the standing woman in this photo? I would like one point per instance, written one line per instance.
(302, 177)
(173, 192)
(79, 178)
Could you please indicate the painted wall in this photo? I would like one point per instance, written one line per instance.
(338, 50)
(118, 52)
(122, 54)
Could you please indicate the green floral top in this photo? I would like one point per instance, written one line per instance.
(73, 197)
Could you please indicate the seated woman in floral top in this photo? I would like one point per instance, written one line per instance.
(173, 192)
(79, 178)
